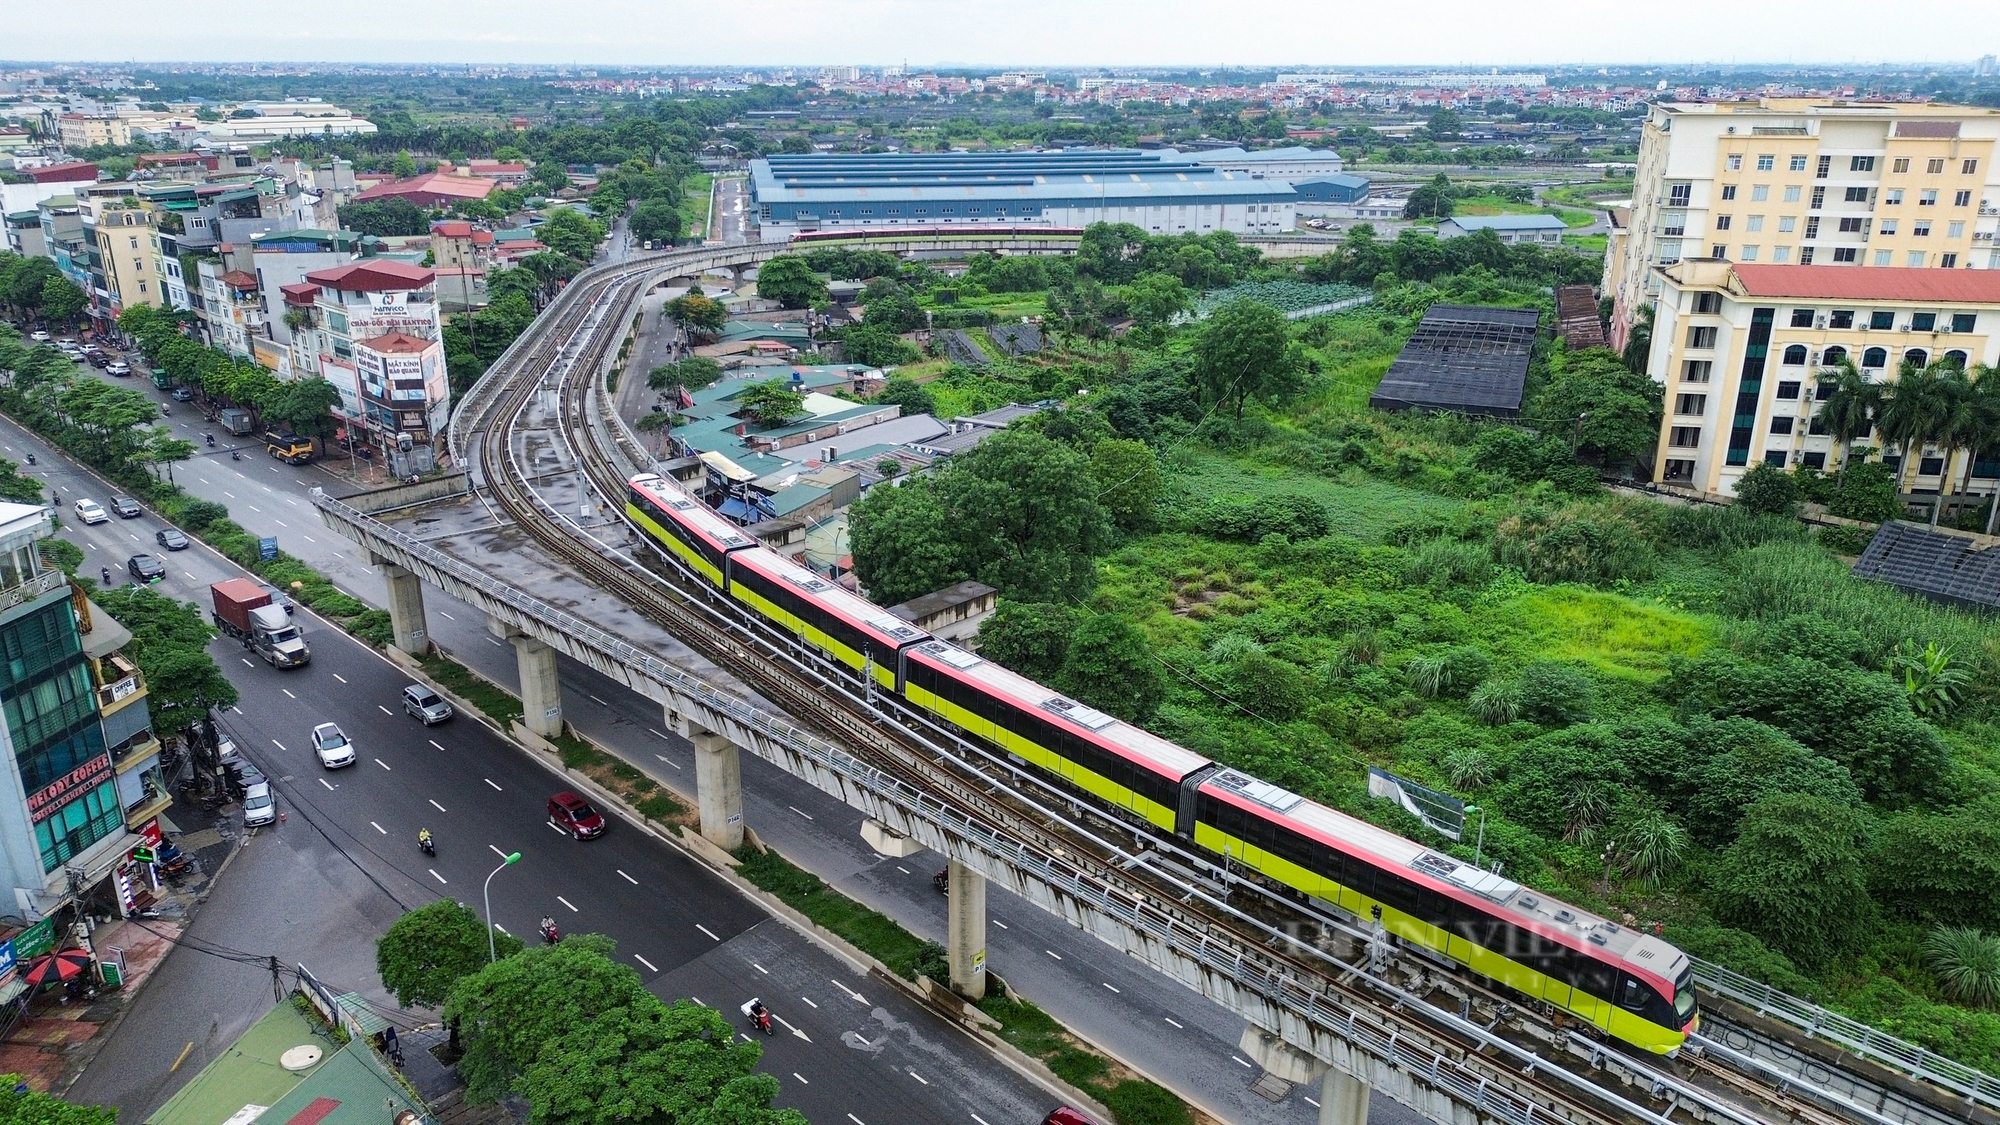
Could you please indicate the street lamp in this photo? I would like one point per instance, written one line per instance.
(486, 892)
(1479, 847)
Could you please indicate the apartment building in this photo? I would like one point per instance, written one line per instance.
(1738, 348)
(124, 246)
(89, 130)
(1806, 182)
(368, 327)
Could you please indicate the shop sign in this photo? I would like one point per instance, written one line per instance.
(154, 837)
(36, 939)
(43, 803)
(7, 959)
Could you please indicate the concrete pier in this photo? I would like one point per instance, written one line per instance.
(965, 927)
(406, 607)
(718, 784)
(541, 685)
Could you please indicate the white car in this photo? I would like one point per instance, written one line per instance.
(90, 511)
(331, 744)
(39, 336)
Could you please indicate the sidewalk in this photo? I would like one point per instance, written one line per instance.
(58, 1038)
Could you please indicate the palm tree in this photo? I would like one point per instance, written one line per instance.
(1917, 410)
(1975, 420)
(1848, 405)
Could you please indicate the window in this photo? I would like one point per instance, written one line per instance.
(1750, 253)
(1881, 319)
(1793, 193)
(1789, 389)
(1766, 163)
(1678, 470)
(1901, 164)
(1857, 195)
(1818, 198)
(1851, 224)
(1945, 261)
(1754, 223)
(1781, 425)
(1787, 224)
(1736, 162)
(1798, 163)
(1684, 437)
(1759, 192)
(1814, 460)
(1841, 318)
(1917, 356)
(1921, 228)
(1935, 165)
(1861, 164)
(1927, 197)
(1964, 322)
(1848, 254)
(1722, 222)
(1930, 466)
(1875, 357)
(1886, 226)
(1701, 336)
(1775, 457)
(1812, 226)
(1781, 254)
(1825, 166)
(1956, 356)
(1696, 370)
(1833, 356)
(1679, 194)
(1690, 404)
(1708, 302)
(1914, 260)
(1955, 229)
(1884, 257)
(1718, 251)
(1802, 318)
(1961, 199)
(135, 244)
(1729, 191)
(1923, 322)
(1893, 197)
(1968, 167)
(1795, 356)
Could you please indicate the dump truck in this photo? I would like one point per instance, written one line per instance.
(243, 610)
(289, 447)
(236, 420)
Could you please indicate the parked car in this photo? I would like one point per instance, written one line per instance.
(39, 336)
(119, 368)
(242, 774)
(125, 508)
(259, 807)
(99, 359)
(574, 815)
(182, 394)
(424, 705)
(90, 511)
(145, 568)
(330, 743)
(171, 538)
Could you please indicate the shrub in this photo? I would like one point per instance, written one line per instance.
(1866, 492)
(1966, 963)
(1554, 694)
(1845, 539)
(1768, 489)
(1450, 673)
(1138, 1102)
(1592, 545)
(200, 515)
(373, 626)
(1443, 563)
(1495, 704)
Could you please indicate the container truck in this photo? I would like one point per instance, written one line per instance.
(243, 610)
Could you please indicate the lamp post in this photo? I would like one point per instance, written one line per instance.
(1479, 847)
(486, 892)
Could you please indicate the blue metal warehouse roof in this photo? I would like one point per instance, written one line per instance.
(1508, 222)
(1092, 176)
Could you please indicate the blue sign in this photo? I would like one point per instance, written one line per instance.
(6, 958)
(267, 548)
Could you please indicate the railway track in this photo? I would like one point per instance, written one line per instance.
(1720, 1081)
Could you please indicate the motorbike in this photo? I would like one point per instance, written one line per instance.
(550, 935)
(942, 881)
(166, 411)
(426, 843)
(104, 573)
(31, 458)
(760, 1016)
(235, 455)
(211, 440)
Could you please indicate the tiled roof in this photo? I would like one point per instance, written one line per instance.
(436, 183)
(1871, 283)
(237, 279)
(372, 275)
(1508, 222)
(302, 293)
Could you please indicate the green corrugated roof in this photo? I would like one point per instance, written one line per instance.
(248, 1073)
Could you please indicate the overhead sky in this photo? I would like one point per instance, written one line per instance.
(1007, 32)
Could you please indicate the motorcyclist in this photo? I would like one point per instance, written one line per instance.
(549, 933)
(211, 440)
(105, 573)
(758, 1013)
(424, 841)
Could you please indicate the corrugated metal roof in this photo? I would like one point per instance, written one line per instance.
(1508, 222)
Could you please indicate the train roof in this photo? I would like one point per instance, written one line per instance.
(1579, 929)
(1115, 735)
(837, 600)
(693, 514)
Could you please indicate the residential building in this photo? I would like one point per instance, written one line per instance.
(61, 221)
(89, 130)
(362, 303)
(461, 253)
(436, 189)
(1806, 182)
(232, 308)
(402, 379)
(24, 234)
(1540, 229)
(126, 717)
(1738, 348)
(283, 258)
(1161, 192)
(124, 251)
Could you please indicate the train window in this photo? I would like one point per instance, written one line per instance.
(1633, 995)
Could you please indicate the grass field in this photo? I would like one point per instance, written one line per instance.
(1362, 506)
(694, 203)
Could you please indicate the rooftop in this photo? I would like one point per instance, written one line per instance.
(1467, 359)
(1865, 283)
(1059, 174)
(373, 275)
(1508, 222)
(396, 343)
(435, 183)
(347, 1086)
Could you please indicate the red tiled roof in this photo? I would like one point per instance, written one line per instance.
(299, 294)
(373, 275)
(76, 171)
(452, 228)
(396, 342)
(238, 279)
(435, 185)
(1871, 283)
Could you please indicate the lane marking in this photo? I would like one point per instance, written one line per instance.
(378, 828)
(656, 734)
(191, 576)
(384, 710)
(498, 852)
(383, 764)
(328, 784)
(341, 678)
(999, 923)
(495, 641)
(1310, 1102)
(800, 811)
(279, 745)
(645, 962)
(229, 494)
(706, 930)
(447, 616)
(917, 1076)
(246, 662)
(669, 761)
(856, 996)
(433, 742)
(903, 869)
(1053, 954)
(628, 878)
(255, 508)
(795, 1074)
(760, 968)
(1112, 987)
(236, 709)
(501, 928)
(809, 1002)
(976, 1117)
(568, 903)
(600, 702)
(1241, 1063)
(288, 692)
(310, 539)
(489, 781)
(435, 875)
(1173, 1021)
(437, 806)
(856, 1120)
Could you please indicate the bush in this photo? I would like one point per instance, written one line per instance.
(1966, 963)
(1138, 1102)
(1845, 539)
(200, 515)
(1592, 544)
(1495, 704)
(1449, 674)
(1554, 694)
(1866, 492)
(1768, 489)
(1440, 564)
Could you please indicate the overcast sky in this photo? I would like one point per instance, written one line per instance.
(1007, 32)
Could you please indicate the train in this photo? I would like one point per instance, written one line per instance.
(1631, 985)
(859, 238)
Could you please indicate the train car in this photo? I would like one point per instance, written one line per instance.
(1632, 985)
(1113, 761)
(995, 231)
(685, 526)
(854, 630)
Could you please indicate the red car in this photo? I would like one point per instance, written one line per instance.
(1066, 1116)
(574, 815)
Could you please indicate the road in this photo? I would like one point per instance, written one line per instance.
(322, 885)
(732, 203)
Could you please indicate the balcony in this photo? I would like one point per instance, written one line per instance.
(31, 589)
(122, 681)
(134, 750)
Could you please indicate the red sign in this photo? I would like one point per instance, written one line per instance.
(152, 833)
(43, 803)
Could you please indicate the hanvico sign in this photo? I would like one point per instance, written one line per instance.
(393, 302)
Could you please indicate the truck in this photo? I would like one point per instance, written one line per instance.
(243, 610)
(289, 447)
(236, 420)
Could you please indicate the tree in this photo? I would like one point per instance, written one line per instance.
(1155, 299)
(790, 281)
(1444, 124)
(1847, 406)
(1110, 666)
(1917, 410)
(902, 544)
(21, 1106)
(1797, 877)
(571, 233)
(1612, 412)
(656, 220)
(1031, 638)
(770, 403)
(875, 346)
(169, 642)
(908, 394)
(306, 406)
(403, 165)
(692, 373)
(385, 219)
(62, 300)
(1434, 200)
(702, 316)
(1025, 512)
(430, 949)
(1768, 489)
(1244, 350)
(796, 143)
(1865, 492)
(1128, 482)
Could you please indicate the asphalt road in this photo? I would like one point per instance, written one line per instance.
(322, 885)
(732, 202)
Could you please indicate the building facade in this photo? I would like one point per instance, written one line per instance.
(1738, 349)
(1806, 182)
(90, 130)
(354, 308)
(124, 252)
(1542, 230)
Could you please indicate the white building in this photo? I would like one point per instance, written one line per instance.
(1295, 162)
(355, 309)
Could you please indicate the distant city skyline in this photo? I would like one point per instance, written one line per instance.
(1295, 34)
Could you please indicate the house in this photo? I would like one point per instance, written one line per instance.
(953, 613)
(1543, 229)
(437, 189)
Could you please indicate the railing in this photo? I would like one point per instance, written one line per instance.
(1858, 1037)
(31, 589)
(118, 689)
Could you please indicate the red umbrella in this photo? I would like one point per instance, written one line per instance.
(58, 966)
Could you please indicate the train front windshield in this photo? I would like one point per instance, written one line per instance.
(1684, 997)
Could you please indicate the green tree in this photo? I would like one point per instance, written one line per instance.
(1155, 299)
(571, 233)
(20, 1106)
(170, 643)
(1031, 638)
(1026, 515)
(1444, 124)
(62, 300)
(1612, 412)
(1110, 666)
(1434, 200)
(1128, 480)
(1244, 350)
(403, 165)
(1866, 491)
(648, 1061)
(656, 220)
(1797, 876)
(1847, 406)
(902, 544)
(703, 316)
(306, 407)
(1768, 489)
(795, 143)
(1941, 868)
(770, 403)
(790, 281)
(875, 346)
(908, 394)
(429, 950)
(386, 218)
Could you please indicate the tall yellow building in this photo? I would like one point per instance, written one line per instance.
(1791, 181)
(1739, 348)
(125, 243)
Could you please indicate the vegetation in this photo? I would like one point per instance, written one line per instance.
(22, 1106)
(429, 950)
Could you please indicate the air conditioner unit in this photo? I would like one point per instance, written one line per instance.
(1820, 321)
(1945, 328)
(1903, 327)
(1815, 357)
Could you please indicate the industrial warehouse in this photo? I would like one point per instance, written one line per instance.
(1163, 192)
